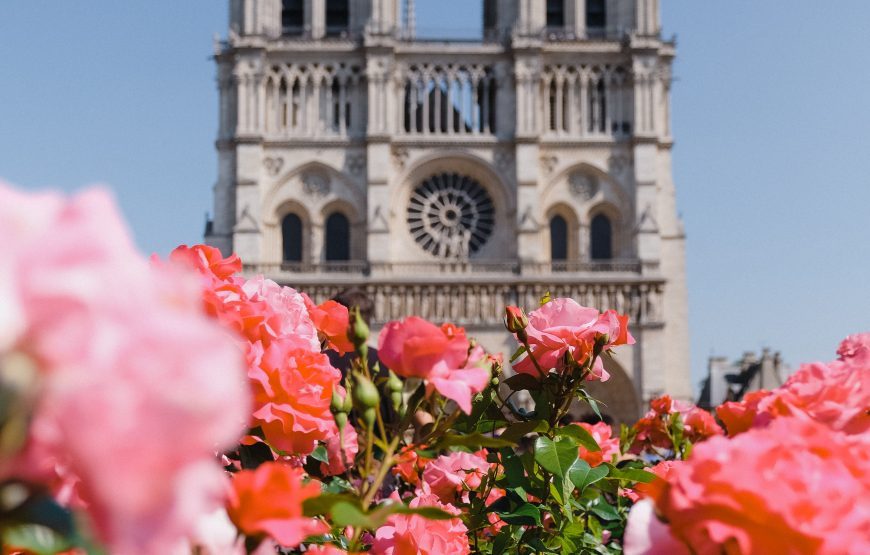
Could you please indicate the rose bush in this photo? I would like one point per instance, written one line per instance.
(179, 407)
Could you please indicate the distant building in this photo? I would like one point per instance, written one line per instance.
(450, 178)
(730, 381)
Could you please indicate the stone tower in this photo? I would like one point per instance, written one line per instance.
(450, 178)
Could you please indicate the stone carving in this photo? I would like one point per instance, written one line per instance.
(273, 165)
(356, 164)
(583, 185)
(483, 303)
(548, 163)
(315, 184)
(618, 164)
(504, 159)
(400, 157)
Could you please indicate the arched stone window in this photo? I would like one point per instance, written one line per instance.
(293, 17)
(555, 14)
(337, 16)
(291, 238)
(558, 238)
(337, 239)
(601, 238)
(596, 14)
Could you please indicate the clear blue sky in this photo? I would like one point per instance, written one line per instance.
(770, 112)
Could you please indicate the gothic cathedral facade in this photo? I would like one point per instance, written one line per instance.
(449, 178)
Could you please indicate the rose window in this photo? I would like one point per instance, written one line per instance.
(451, 215)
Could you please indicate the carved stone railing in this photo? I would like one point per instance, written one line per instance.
(482, 304)
(359, 268)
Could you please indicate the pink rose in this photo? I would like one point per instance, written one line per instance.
(790, 487)
(126, 365)
(415, 348)
(562, 326)
(652, 429)
(340, 459)
(855, 350)
(451, 474)
(292, 393)
(414, 534)
(268, 502)
(601, 432)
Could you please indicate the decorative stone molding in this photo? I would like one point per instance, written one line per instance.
(583, 185)
(315, 183)
(356, 164)
(482, 304)
(400, 157)
(549, 162)
(273, 165)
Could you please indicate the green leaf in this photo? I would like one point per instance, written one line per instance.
(580, 435)
(501, 542)
(605, 511)
(471, 441)
(345, 513)
(519, 382)
(555, 456)
(320, 454)
(524, 515)
(632, 474)
(518, 430)
(40, 540)
(323, 504)
(582, 475)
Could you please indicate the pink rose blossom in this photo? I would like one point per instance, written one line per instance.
(414, 534)
(292, 393)
(340, 460)
(790, 487)
(562, 326)
(415, 348)
(855, 350)
(601, 432)
(449, 475)
(127, 365)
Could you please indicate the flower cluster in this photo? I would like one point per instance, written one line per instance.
(110, 361)
(291, 380)
(123, 383)
(794, 476)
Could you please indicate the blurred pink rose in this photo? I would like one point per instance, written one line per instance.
(855, 350)
(139, 389)
(449, 475)
(601, 432)
(790, 487)
(836, 394)
(268, 502)
(652, 429)
(562, 326)
(414, 534)
(340, 461)
(415, 348)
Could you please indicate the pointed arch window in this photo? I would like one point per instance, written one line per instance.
(337, 16)
(555, 14)
(291, 238)
(596, 14)
(337, 238)
(601, 238)
(293, 17)
(558, 238)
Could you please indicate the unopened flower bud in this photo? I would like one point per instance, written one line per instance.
(341, 420)
(358, 332)
(365, 394)
(516, 321)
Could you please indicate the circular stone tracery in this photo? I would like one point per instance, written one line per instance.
(451, 215)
